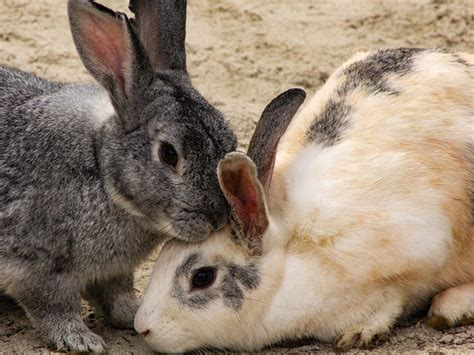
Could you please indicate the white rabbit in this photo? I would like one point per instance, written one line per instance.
(368, 216)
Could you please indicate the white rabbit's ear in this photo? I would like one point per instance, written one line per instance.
(273, 123)
(161, 25)
(109, 49)
(244, 193)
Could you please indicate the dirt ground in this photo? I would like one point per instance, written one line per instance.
(241, 53)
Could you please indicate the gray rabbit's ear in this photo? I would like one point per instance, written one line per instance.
(109, 49)
(244, 193)
(161, 25)
(273, 123)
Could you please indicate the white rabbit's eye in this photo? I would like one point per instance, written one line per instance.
(203, 278)
(168, 154)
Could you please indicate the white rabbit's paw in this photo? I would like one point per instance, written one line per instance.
(454, 306)
(360, 338)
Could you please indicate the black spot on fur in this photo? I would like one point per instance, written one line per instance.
(185, 268)
(461, 61)
(371, 73)
(329, 125)
(195, 300)
(232, 293)
(248, 276)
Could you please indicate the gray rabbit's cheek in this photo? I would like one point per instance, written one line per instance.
(370, 74)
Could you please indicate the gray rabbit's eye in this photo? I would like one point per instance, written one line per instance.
(168, 154)
(203, 278)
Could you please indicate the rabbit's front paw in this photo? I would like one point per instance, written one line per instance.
(76, 337)
(121, 313)
(363, 338)
(115, 298)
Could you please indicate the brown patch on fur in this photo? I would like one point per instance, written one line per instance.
(325, 243)
(447, 94)
(403, 278)
(449, 173)
(305, 244)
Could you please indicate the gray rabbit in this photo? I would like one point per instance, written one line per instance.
(93, 177)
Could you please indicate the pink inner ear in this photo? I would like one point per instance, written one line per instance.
(105, 41)
(243, 197)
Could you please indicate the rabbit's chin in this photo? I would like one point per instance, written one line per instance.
(193, 233)
(198, 231)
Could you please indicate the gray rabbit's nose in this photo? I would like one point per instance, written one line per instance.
(216, 211)
(218, 218)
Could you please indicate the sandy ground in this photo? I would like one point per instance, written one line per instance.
(241, 53)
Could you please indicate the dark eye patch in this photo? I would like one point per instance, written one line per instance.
(236, 279)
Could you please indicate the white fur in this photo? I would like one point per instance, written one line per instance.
(102, 109)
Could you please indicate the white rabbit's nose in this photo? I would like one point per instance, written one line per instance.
(145, 333)
(142, 326)
(142, 329)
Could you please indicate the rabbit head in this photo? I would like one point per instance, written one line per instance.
(158, 151)
(200, 294)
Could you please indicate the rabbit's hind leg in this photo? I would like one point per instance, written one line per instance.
(53, 303)
(116, 298)
(454, 306)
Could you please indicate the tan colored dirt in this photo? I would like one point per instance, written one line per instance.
(241, 53)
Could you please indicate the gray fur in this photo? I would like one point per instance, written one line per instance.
(329, 125)
(271, 126)
(187, 266)
(235, 280)
(182, 285)
(62, 234)
(461, 61)
(232, 293)
(248, 276)
(371, 74)
(163, 35)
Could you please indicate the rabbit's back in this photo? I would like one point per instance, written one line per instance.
(18, 86)
(378, 169)
(396, 89)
